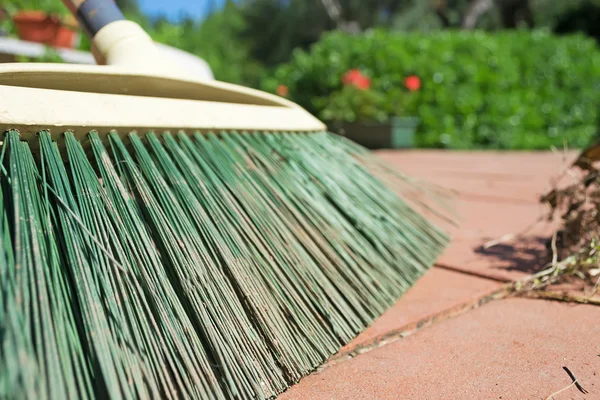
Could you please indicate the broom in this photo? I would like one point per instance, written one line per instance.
(224, 251)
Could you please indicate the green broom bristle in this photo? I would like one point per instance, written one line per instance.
(205, 266)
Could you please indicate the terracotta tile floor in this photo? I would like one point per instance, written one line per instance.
(469, 346)
(507, 349)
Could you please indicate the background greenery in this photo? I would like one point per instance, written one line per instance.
(507, 90)
(512, 76)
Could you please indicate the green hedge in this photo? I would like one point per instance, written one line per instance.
(506, 90)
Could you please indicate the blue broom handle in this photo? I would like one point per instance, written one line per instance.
(94, 15)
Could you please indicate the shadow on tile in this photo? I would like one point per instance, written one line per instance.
(528, 255)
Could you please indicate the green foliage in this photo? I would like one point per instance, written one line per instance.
(509, 90)
(49, 6)
(218, 40)
(50, 56)
(275, 28)
(129, 6)
(353, 104)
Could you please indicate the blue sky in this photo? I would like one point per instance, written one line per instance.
(173, 9)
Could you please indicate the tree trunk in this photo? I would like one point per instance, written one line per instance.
(334, 10)
(513, 12)
(476, 9)
(441, 9)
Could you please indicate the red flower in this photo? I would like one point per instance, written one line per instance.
(282, 90)
(356, 78)
(412, 83)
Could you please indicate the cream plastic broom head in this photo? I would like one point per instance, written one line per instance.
(137, 89)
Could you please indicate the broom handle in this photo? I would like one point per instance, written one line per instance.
(116, 40)
(94, 15)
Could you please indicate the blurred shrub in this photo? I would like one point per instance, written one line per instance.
(352, 104)
(506, 90)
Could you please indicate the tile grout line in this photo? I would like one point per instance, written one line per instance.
(471, 273)
(498, 199)
(463, 308)
(416, 326)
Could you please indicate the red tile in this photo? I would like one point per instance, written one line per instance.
(507, 349)
(488, 219)
(510, 176)
(505, 262)
(511, 258)
(491, 352)
(439, 291)
(498, 195)
(515, 162)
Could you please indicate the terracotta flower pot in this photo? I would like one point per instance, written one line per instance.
(37, 26)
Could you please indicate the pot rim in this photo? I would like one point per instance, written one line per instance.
(35, 16)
